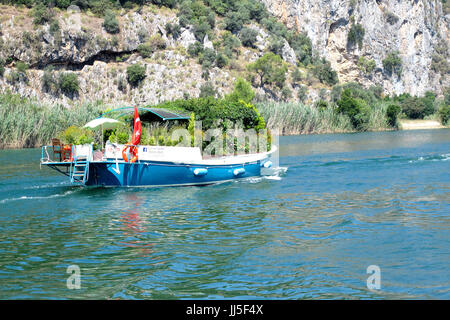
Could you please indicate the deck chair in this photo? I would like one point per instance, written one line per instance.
(57, 149)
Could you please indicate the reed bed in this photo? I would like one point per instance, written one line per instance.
(296, 118)
(26, 124)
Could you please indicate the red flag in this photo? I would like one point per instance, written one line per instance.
(136, 139)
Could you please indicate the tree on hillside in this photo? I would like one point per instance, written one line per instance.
(270, 69)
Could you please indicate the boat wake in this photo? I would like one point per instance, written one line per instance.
(442, 157)
(38, 197)
(267, 174)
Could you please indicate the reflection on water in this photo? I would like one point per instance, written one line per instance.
(338, 204)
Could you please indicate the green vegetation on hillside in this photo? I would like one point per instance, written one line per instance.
(135, 74)
(393, 64)
(229, 24)
(356, 35)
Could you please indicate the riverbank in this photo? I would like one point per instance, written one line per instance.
(409, 124)
(27, 123)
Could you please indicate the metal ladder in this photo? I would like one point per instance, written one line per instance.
(79, 168)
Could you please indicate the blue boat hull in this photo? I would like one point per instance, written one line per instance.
(151, 173)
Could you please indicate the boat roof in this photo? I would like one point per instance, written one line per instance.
(162, 114)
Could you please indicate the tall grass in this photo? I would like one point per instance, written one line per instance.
(296, 118)
(377, 117)
(25, 123)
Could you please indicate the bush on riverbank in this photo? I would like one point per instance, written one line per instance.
(444, 114)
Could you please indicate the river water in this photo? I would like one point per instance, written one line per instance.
(336, 205)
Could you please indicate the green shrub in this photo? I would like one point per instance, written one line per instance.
(242, 91)
(302, 46)
(174, 30)
(41, 14)
(235, 20)
(135, 74)
(321, 104)
(68, 83)
(286, 93)
(356, 91)
(355, 108)
(417, 108)
(391, 18)
(110, 22)
(121, 84)
(211, 18)
(302, 93)
(366, 65)
(49, 82)
(208, 58)
(393, 64)
(297, 76)
(209, 110)
(145, 50)
(54, 27)
(439, 58)
(392, 113)
(195, 49)
(77, 136)
(444, 114)
(377, 91)
(231, 44)
(120, 135)
(201, 28)
(356, 35)
(19, 75)
(276, 45)
(221, 60)
(13, 77)
(21, 67)
(275, 27)
(2, 67)
(322, 70)
(207, 89)
(248, 37)
(447, 96)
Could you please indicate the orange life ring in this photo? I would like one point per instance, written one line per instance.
(133, 151)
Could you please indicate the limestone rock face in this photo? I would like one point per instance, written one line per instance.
(80, 44)
(187, 38)
(207, 44)
(288, 53)
(413, 28)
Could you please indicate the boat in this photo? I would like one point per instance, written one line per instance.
(132, 164)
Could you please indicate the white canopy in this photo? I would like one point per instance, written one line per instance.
(104, 123)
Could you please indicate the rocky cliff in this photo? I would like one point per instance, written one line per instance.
(417, 29)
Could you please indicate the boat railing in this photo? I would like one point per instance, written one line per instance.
(50, 155)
